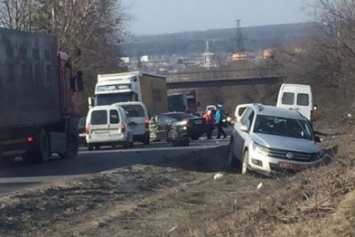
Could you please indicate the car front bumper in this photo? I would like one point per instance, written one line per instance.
(267, 165)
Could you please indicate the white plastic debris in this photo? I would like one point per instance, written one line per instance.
(259, 185)
(217, 176)
(349, 115)
(172, 229)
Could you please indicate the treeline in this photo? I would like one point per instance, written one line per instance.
(220, 40)
(88, 30)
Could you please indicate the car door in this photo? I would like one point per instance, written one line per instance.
(99, 125)
(114, 123)
(240, 136)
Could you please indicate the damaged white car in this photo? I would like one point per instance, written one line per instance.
(269, 140)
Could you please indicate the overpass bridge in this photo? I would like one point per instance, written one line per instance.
(227, 77)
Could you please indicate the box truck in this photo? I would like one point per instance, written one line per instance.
(36, 84)
(131, 86)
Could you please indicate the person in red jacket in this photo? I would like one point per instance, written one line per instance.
(210, 123)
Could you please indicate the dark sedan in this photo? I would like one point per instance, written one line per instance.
(177, 127)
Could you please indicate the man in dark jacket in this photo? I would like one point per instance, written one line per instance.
(219, 122)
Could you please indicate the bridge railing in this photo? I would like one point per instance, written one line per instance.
(232, 74)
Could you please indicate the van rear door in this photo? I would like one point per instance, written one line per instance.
(114, 123)
(303, 101)
(99, 127)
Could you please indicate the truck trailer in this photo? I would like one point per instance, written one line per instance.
(131, 86)
(36, 84)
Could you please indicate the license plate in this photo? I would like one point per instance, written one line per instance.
(101, 132)
(290, 166)
(198, 122)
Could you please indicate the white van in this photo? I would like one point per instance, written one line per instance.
(298, 97)
(107, 125)
(138, 120)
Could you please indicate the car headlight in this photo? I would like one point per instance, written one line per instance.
(229, 119)
(260, 149)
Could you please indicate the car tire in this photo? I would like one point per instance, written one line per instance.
(244, 163)
(195, 137)
(130, 144)
(173, 135)
(90, 147)
(97, 147)
(232, 161)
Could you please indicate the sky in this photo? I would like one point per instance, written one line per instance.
(172, 16)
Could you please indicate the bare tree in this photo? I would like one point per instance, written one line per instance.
(17, 14)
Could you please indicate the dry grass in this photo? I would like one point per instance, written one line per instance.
(316, 202)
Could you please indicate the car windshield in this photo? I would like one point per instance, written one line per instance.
(180, 116)
(109, 99)
(133, 110)
(285, 127)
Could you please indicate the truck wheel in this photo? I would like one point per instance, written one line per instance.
(42, 152)
(72, 143)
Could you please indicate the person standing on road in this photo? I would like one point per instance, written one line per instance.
(210, 123)
(219, 122)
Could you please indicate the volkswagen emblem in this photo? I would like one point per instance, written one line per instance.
(289, 155)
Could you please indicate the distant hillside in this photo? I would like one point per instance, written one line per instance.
(220, 40)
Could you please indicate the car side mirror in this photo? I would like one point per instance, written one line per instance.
(317, 139)
(244, 128)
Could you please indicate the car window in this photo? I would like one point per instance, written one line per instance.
(288, 98)
(99, 117)
(81, 122)
(114, 118)
(134, 110)
(180, 116)
(162, 119)
(302, 99)
(245, 117)
(241, 110)
(285, 127)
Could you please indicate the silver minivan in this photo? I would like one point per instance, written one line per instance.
(107, 125)
(138, 120)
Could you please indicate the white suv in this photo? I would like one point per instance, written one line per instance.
(268, 139)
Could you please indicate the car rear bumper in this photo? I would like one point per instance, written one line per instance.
(112, 139)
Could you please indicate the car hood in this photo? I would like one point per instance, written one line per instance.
(285, 143)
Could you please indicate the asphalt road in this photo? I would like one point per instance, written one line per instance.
(20, 175)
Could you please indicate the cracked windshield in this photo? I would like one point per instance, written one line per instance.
(196, 118)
